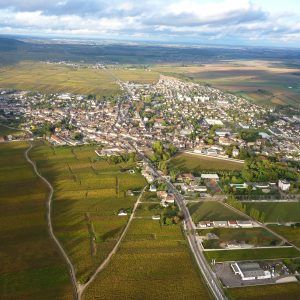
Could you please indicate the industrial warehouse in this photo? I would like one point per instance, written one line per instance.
(250, 271)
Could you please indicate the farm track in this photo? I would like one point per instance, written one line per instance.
(49, 222)
(81, 288)
(78, 288)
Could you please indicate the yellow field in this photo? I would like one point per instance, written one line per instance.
(53, 78)
(153, 262)
(264, 82)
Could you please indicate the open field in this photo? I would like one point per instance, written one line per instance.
(254, 236)
(264, 82)
(7, 131)
(153, 262)
(150, 197)
(292, 234)
(135, 75)
(212, 211)
(31, 266)
(192, 163)
(88, 193)
(287, 291)
(149, 210)
(53, 78)
(278, 212)
(252, 254)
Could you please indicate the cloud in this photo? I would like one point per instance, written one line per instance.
(228, 20)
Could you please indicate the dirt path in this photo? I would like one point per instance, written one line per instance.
(82, 287)
(49, 222)
(78, 288)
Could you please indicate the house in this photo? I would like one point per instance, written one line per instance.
(232, 224)
(284, 185)
(201, 188)
(57, 140)
(187, 177)
(202, 224)
(129, 193)
(152, 188)
(161, 194)
(212, 122)
(210, 176)
(220, 223)
(235, 152)
(170, 199)
(239, 185)
(122, 212)
(262, 185)
(223, 133)
(244, 224)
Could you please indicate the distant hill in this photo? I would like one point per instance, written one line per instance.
(13, 50)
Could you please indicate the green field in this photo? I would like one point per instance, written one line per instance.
(192, 163)
(212, 211)
(53, 78)
(148, 210)
(278, 212)
(149, 197)
(292, 234)
(7, 131)
(153, 262)
(88, 193)
(287, 291)
(252, 254)
(31, 266)
(255, 236)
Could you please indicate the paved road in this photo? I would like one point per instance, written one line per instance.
(190, 232)
(49, 222)
(82, 287)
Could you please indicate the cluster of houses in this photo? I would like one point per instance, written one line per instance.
(166, 199)
(282, 184)
(227, 224)
(188, 115)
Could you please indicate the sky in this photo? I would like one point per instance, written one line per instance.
(232, 22)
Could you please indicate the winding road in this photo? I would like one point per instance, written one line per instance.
(49, 222)
(78, 288)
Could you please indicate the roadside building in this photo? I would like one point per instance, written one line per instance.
(244, 224)
(220, 223)
(232, 224)
(250, 271)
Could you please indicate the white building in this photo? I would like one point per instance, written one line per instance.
(250, 271)
(244, 224)
(210, 176)
(284, 185)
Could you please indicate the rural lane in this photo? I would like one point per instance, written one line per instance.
(49, 222)
(82, 287)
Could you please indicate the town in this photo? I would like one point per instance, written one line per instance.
(151, 125)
